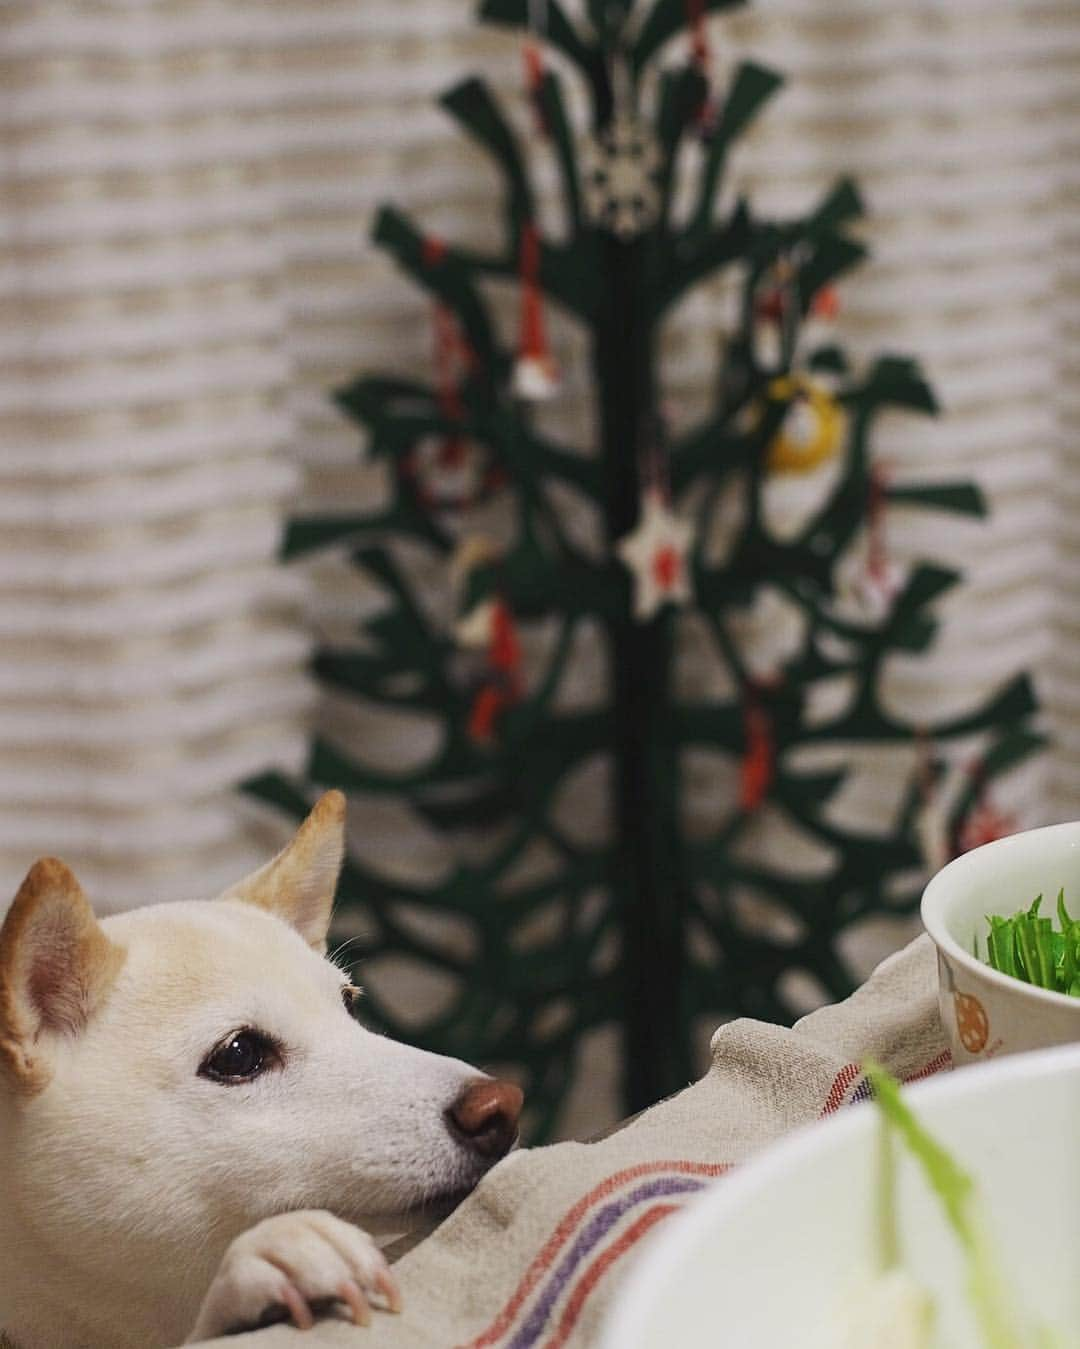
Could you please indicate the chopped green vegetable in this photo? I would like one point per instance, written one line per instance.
(1027, 947)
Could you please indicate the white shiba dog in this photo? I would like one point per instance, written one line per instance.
(195, 1134)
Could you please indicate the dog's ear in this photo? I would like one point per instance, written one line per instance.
(299, 884)
(56, 967)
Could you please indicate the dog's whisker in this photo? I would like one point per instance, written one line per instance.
(338, 951)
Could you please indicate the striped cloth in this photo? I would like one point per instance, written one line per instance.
(534, 1258)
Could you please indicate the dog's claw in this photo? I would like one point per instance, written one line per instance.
(356, 1302)
(385, 1283)
(301, 1313)
(297, 1266)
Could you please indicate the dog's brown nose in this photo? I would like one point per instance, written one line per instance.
(486, 1114)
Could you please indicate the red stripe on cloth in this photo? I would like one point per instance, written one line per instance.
(847, 1076)
(600, 1267)
(844, 1078)
(562, 1233)
(943, 1061)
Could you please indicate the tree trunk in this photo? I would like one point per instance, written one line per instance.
(648, 893)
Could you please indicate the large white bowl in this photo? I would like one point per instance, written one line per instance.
(769, 1256)
(986, 1013)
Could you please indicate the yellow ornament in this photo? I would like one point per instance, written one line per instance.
(811, 432)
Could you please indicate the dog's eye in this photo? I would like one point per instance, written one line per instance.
(350, 996)
(241, 1056)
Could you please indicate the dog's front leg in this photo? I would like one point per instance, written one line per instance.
(289, 1268)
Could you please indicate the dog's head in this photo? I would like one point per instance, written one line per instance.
(171, 1075)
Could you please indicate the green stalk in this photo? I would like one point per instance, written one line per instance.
(955, 1188)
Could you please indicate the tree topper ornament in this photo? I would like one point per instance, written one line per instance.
(621, 164)
(657, 554)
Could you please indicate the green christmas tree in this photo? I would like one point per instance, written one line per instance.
(644, 926)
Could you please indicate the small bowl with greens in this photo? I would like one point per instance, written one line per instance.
(1006, 922)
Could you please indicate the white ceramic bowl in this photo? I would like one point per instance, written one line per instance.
(986, 1013)
(768, 1257)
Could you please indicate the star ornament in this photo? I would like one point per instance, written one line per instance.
(657, 553)
(621, 177)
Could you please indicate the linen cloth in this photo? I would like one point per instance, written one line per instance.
(535, 1256)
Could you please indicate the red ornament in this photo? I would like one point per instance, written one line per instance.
(450, 356)
(505, 655)
(984, 823)
(433, 250)
(771, 305)
(487, 705)
(826, 304)
(667, 565)
(447, 472)
(699, 57)
(446, 469)
(501, 687)
(877, 559)
(536, 375)
(453, 452)
(699, 42)
(533, 57)
(757, 769)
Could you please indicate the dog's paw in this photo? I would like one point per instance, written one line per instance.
(294, 1267)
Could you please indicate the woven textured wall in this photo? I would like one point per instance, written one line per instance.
(186, 194)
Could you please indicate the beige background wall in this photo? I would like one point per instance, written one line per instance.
(184, 271)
